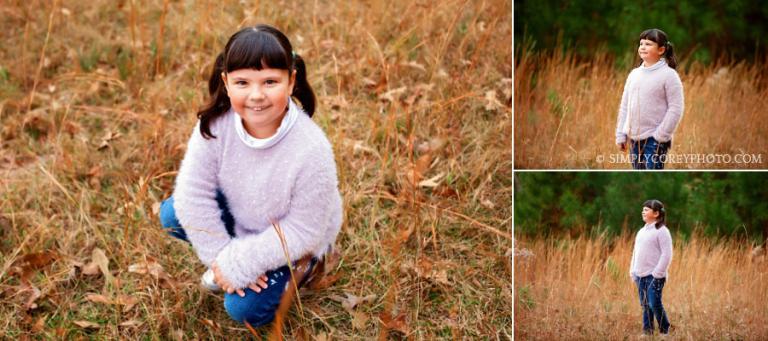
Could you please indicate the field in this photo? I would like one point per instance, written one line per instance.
(97, 101)
(579, 289)
(566, 110)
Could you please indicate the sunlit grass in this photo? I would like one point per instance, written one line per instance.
(579, 289)
(407, 91)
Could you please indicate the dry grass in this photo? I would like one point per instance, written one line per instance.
(566, 111)
(97, 100)
(579, 289)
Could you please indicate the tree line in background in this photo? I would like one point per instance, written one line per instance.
(704, 31)
(718, 204)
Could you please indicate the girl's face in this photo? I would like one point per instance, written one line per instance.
(260, 98)
(649, 51)
(649, 215)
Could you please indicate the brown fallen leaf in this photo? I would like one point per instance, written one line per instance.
(323, 336)
(130, 323)
(87, 324)
(325, 282)
(30, 304)
(359, 320)
(39, 325)
(108, 137)
(351, 301)
(91, 269)
(397, 323)
(491, 101)
(432, 182)
(127, 301)
(213, 324)
(28, 264)
(97, 298)
(151, 268)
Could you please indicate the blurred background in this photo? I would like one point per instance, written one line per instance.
(715, 204)
(703, 31)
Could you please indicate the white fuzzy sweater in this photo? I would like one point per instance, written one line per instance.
(651, 105)
(292, 181)
(652, 253)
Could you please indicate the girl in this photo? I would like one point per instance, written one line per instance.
(651, 257)
(258, 181)
(652, 103)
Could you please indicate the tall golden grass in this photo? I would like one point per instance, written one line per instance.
(579, 289)
(566, 110)
(97, 101)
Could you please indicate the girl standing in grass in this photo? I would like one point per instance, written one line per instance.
(258, 182)
(651, 257)
(652, 103)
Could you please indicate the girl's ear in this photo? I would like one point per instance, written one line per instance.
(291, 82)
(224, 79)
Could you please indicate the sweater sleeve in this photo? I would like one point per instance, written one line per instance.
(665, 242)
(621, 136)
(315, 201)
(632, 261)
(675, 104)
(195, 197)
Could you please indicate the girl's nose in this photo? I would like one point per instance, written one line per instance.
(256, 94)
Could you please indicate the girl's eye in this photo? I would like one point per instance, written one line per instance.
(270, 82)
(241, 83)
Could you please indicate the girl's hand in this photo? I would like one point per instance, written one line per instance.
(218, 278)
(222, 282)
(259, 284)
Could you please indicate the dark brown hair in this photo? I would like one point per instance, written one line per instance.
(659, 37)
(258, 47)
(657, 206)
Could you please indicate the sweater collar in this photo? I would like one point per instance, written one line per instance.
(660, 64)
(285, 125)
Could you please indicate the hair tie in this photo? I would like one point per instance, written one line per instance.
(662, 209)
(293, 54)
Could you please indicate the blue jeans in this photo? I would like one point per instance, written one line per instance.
(649, 290)
(256, 308)
(649, 153)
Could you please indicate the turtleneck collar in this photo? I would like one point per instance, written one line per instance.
(285, 125)
(661, 63)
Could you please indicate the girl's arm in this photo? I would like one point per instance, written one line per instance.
(621, 136)
(632, 261)
(675, 104)
(665, 242)
(195, 197)
(314, 214)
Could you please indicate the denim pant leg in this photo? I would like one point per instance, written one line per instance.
(654, 300)
(169, 221)
(656, 153)
(642, 289)
(259, 308)
(649, 153)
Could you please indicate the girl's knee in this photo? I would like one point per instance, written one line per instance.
(257, 309)
(168, 214)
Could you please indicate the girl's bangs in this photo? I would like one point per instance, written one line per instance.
(652, 35)
(256, 50)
